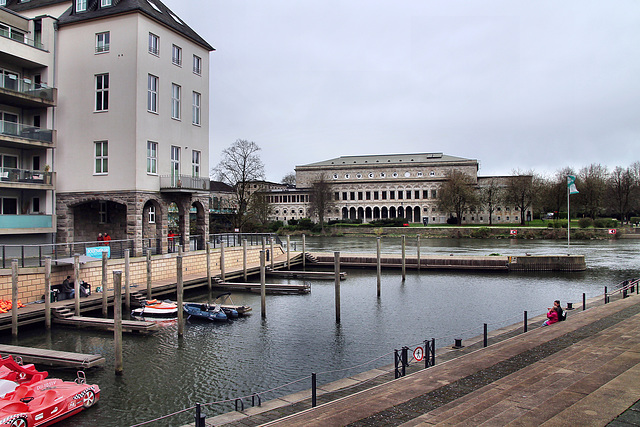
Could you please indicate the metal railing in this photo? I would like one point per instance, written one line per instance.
(38, 90)
(20, 38)
(184, 182)
(236, 239)
(25, 176)
(25, 131)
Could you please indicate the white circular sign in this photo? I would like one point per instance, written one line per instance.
(418, 354)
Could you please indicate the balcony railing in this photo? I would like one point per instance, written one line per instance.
(35, 222)
(20, 38)
(38, 90)
(184, 182)
(25, 176)
(25, 131)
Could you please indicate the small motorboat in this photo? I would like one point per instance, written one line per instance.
(223, 301)
(205, 311)
(155, 308)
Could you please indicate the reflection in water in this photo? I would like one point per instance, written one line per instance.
(216, 361)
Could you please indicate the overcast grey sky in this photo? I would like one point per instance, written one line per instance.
(515, 84)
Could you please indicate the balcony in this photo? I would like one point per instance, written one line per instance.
(26, 178)
(26, 136)
(183, 184)
(23, 93)
(24, 224)
(20, 37)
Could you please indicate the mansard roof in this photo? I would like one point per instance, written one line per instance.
(154, 9)
(389, 159)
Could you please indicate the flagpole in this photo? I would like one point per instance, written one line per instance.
(568, 219)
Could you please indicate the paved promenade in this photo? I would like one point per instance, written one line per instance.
(585, 371)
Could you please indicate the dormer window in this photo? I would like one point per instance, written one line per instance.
(81, 5)
(105, 3)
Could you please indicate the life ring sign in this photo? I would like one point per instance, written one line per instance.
(418, 354)
(514, 232)
(612, 231)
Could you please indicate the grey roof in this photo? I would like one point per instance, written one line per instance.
(220, 186)
(94, 11)
(386, 159)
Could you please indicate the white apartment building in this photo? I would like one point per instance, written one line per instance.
(132, 121)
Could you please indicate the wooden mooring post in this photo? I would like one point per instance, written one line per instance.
(149, 273)
(127, 280)
(209, 284)
(288, 252)
(47, 292)
(336, 262)
(378, 266)
(304, 252)
(117, 321)
(105, 294)
(273, 255)
(76, 283)
(244, 259)
(180, 294)
(222, 270)
(404, 260)
(418, 250)
(14, 298)
(263, 286)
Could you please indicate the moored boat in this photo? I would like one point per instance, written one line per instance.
(155, 308)
(205, 311)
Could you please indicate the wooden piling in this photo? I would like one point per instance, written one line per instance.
(222, 272)
(209, 267)
(263, 286)
(378, 266)
(288, 252)
(149, 273)
(117, 321)
(180, 294)
(14, 298)
(244, 259)
(273, 254)
(76, 283)
(336, 262)
(47, 292)
(105, 294)
(418, 250)
(404, 260)
(304, 252)
(127, 280)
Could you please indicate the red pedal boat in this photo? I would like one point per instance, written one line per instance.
(28, 398)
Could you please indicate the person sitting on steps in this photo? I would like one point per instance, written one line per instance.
(552, 316)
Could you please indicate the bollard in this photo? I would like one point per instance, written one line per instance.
(431, 354)
(525, 321)
(569, 306)
(200, 417)
(396, 359)
(486, 336)
(405, 360)
(457, 343)
(584, 301)
(313, 390)
(606, 300)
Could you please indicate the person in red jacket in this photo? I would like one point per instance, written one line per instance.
(552, 316)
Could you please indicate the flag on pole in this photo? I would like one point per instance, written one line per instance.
(571, 183)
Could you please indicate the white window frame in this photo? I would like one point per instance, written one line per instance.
(152, 214)
(152, 93)
(176, 55)
(175, 165)
(197, 65)
(101, 157)
(152, 158)
(102, 212)
(81, 5)
(103, 42)
(195, 163)
(105, 3)
(176, 91)
(102, 92)
(196, 108)
(154, 44)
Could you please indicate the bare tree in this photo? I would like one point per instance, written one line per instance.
(320, 198)
(457, 194)
(240, 165)
(592, 187)
(289, 179)
(520, 192)
(490, 196)
(620, 187)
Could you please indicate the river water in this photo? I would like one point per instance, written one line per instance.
(212, 362)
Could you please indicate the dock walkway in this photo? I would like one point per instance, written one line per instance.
(585, 371)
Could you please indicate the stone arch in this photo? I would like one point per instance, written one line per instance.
(360, 213)
(400, 212)
(392, 212)
(197, 226)
(345, 213)
(92, 215)
(416, 214)
(153, 223)
(376, 213)
(368, 213)
(384, 213)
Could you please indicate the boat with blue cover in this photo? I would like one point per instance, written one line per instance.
(213, 313)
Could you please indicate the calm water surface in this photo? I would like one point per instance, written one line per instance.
(164, 374)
